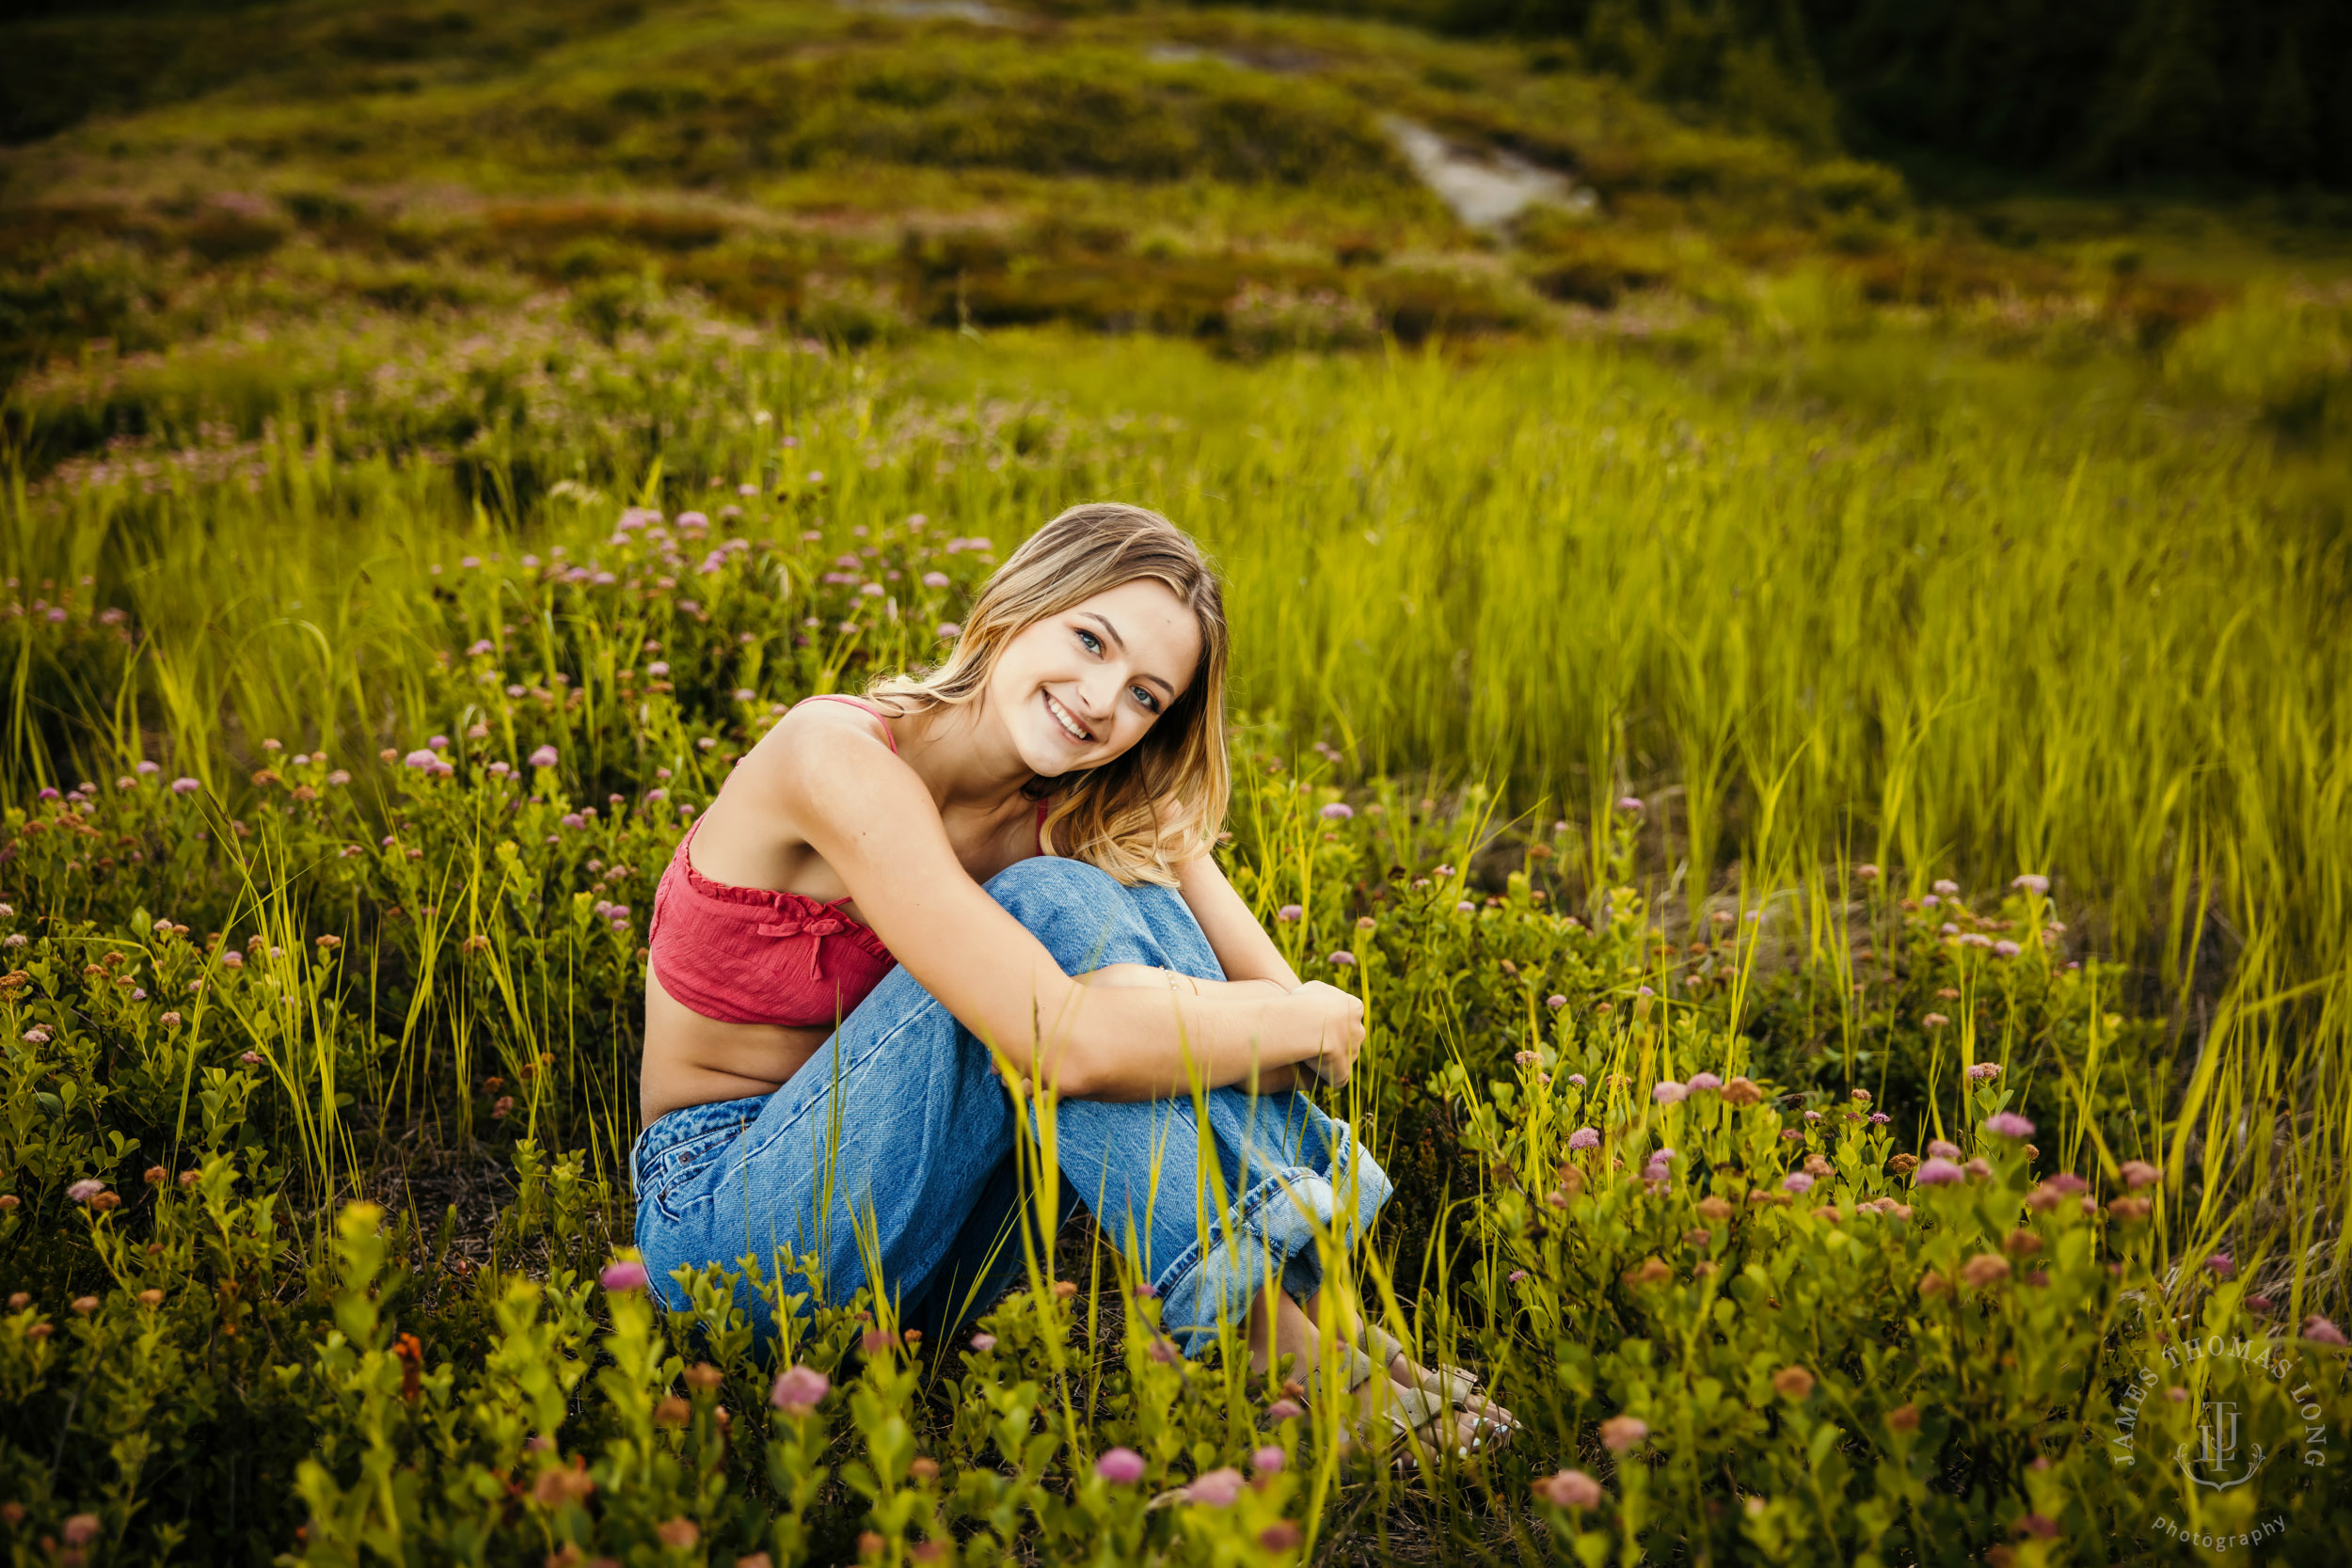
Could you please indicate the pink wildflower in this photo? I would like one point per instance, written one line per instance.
(1937, 1173)
(1216, 1489)
(1119, 1466)
(1338, 811)
(623, 1274)
(2008, 1124)
(543, 758)
(798, 1389)
(1568, 1489)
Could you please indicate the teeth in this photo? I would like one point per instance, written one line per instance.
(1061, 717)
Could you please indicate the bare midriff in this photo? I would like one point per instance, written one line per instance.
(693, 1060)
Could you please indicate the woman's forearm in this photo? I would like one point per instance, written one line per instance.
(1130, 1034)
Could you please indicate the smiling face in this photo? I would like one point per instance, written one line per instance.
(1077, 688)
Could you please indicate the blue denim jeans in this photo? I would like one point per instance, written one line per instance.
(895, 1143)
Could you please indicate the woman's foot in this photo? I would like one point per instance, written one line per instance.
(1400, 1408)
(1414, 1424)
(1450, 1384)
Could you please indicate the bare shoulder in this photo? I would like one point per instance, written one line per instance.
(826, 732)
(832, 762)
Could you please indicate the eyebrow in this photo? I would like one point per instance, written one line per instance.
(1112, 632)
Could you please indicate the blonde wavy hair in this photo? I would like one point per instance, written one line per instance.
(1162, 802)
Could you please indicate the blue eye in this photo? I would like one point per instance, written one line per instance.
(1093, 645)
(1149, 701)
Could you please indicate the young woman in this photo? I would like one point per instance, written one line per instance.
(1003, 870)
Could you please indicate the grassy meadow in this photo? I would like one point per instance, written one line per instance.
(1816, 720)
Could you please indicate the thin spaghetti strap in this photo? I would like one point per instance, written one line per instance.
(855, 702)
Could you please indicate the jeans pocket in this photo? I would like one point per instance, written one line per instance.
(664, 1170)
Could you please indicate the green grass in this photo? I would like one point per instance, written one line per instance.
(1842, 532)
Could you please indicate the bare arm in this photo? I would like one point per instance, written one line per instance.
(867, 815)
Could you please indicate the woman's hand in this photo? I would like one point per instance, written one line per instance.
(1338, 1018)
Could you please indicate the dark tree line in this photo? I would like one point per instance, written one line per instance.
(2215, 90)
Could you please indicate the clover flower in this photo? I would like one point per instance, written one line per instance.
(1984, 1073)
(1936, 1172)
(185, 786)
(1338, 811)
(1121, 1467)
(418, 758)
(983, 1344)
(2008, 1124)
(2221, 1265)
(623, 1274)
(2319, 1331)
(1284, 1410)
(1945, 887)
(1290, 912)
(1703, 1081)
(1269, 1461)
(1583, 1138)
(1796, 1181)
(1344, 959)
(543, 758)
(2032, 882)
(86, 1189)
(1668, 1092)
(1555, 1001)
(1216, 1489)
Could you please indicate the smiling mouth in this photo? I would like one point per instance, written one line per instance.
(1069, 725)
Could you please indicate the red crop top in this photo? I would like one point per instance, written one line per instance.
(745, 954)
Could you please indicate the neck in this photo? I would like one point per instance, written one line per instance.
(963, 758)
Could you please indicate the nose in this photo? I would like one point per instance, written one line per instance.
(1096, 695)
